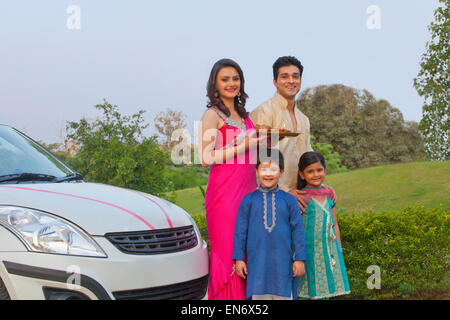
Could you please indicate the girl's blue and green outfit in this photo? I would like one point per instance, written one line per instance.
(325, 275)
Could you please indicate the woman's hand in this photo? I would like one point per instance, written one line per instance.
(208, 131)
(241, 268)
(266, 135)
(253, 140)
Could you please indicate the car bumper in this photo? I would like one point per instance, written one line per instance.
(27, 275)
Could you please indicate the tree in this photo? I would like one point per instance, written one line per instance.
(166, 122)
(433, 84)
(57, 149)
(364, 131)
(332, 159)
(114, 151)
(55, 146)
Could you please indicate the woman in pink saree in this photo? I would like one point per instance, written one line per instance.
(228, 145)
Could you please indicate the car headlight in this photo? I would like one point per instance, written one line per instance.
(43, 232)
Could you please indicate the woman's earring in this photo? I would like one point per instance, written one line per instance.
(216, 94)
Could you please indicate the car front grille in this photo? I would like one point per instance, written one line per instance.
(154, 241)
(189, 290)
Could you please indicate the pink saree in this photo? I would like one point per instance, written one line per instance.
(228, 183)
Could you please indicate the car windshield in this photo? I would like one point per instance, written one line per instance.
(22, 159)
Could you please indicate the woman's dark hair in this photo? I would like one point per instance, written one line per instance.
(273, 155)
(307, 159)
(239, 102)
(284, 62)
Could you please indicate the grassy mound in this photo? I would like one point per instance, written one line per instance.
(389, 187)
(393, 187)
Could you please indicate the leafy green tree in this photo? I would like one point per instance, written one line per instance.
(433, 84)
(114, 151)
(52, 146)
(364, 131)
(332, 159)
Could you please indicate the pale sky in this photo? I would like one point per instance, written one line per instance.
(154, 55)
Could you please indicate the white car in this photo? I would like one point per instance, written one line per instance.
(64, 238)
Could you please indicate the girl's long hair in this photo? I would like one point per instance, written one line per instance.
(307, 159)
(239, 102)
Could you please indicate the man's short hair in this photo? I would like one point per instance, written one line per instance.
(272, 155)
(284, 62)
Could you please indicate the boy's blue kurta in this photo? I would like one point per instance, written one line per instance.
(270, 255)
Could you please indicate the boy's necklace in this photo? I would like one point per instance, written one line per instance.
(274, 213)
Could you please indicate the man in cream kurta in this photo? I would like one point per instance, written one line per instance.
(275, 114)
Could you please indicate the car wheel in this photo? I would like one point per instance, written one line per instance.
(3, 292)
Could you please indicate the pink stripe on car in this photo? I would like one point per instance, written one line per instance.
(162, 209)
(85, 198)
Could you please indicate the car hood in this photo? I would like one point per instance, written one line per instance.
(97, 208)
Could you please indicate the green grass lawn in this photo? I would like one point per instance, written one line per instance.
(191, 200)
(393, 186)
(386, 187)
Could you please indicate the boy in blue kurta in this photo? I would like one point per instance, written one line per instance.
(269, 229)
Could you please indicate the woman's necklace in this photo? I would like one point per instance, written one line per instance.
(274, 213)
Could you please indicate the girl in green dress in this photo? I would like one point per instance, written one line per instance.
(325, 275)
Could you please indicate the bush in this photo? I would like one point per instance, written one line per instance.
(332, 158)
(187, 176)
(114, 151)
(409, 246)
(200, 220)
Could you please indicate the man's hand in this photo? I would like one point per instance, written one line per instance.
(298, 268)
(296, 193)
(241, 268)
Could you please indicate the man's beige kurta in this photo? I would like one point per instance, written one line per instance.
(275, 114)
